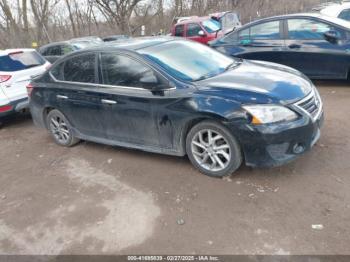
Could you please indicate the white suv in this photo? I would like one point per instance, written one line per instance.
(338, 10)
(17, 67)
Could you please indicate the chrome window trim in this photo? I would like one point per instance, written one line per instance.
(103, 85)
(313, 93)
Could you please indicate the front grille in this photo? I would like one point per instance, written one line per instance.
(311, 104)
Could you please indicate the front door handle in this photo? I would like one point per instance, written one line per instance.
(108, 102)
(62, 97)
(294, 46)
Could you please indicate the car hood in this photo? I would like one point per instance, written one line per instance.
(274, 81)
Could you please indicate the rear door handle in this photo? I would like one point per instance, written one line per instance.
(108, 102)
(62, 97)
(294, 46)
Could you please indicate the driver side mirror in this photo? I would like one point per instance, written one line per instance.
(201, 33)
(151, 82)
(331, 36)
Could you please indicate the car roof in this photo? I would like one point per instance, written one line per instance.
(335, 9)
(15, 50)
(128, 45)
(136, 43)
(326, 18)
(194, 19)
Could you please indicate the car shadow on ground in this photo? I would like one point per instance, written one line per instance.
(15, 120)
(332, 83)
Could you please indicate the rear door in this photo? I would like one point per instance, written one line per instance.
(77, 95)
(308, 50)
(21, 67)
(263, 42)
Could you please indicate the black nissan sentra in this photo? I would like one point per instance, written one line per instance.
(178, 97)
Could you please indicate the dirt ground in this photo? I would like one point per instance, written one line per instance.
(96, 199)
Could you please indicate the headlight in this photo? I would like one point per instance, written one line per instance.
(264, 114)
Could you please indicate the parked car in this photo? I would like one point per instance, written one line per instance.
(94, 39)
(179, 97)
(228, 20)
(317, 45)
(17, 67)
(199, 29)
(53, 51)
(341, 11)
(114, 38)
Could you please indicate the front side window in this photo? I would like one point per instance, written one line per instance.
(179, 30)
(80, 69)
(66, 49)
(187, 60)
(269, 30)
(121, 70)
(306, 29)
(244, 34)
(193, 29)
(54, 51)
(230, 38)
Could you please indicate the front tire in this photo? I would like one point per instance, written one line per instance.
(213, 149)
(60, 129)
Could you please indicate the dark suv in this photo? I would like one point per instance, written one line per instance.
(179, 97)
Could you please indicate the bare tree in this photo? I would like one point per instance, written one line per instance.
(119, 11)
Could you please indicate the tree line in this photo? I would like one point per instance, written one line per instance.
(25, 21)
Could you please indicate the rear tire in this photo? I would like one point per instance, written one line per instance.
(213, 150)
(60, 129)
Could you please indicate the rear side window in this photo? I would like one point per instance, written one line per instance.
(57, 71)
(269, 30)
(53, 51)
(179, 30)
(193, 29)
(18, 61)
(80, 69)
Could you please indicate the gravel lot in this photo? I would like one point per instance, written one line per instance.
(96, 199)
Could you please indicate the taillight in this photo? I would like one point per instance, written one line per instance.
(4, 78)
(30, 88)
(5, 108)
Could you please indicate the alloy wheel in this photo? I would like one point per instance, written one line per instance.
(59, 129)
(211, 150)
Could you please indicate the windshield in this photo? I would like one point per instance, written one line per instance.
(211, 25)
(20, 61)
(187, 60)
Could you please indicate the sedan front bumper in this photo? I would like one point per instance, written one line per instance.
(277, 144)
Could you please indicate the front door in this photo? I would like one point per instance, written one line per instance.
(193, 32)
(309, 51)
(129, 99)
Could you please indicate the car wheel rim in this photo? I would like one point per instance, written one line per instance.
(59, 129)
(211, 150)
